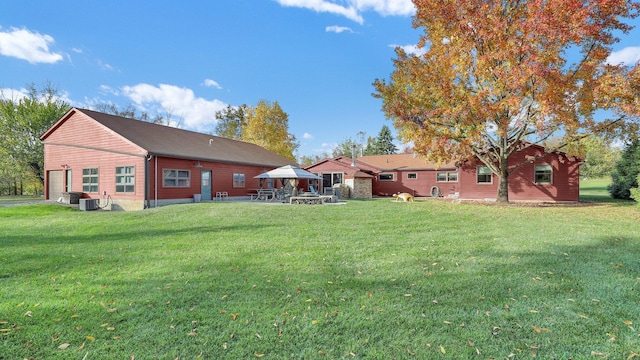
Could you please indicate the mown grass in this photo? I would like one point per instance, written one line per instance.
(371, 279)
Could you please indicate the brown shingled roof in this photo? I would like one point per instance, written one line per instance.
(168, 141)
(402, 162)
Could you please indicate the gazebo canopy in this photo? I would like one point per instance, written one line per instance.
(288, 172)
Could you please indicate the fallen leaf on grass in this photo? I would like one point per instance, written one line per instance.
(536, 329)
(258, 355)
(112, 310)
(63, 346)
(442, 350)
(81, 347)
(600, 354)
(627, 322)
(91, 338)
(28, 314)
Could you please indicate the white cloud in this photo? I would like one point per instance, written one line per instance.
(410, 49)
(352, 9)
(627, 56)
(105, 66)
(212, 83)
(195, 113)
(26, 45)
(22, 93)
(386, 7)
(325, 6)
(307, 136)
(337, 29)
(76, 50)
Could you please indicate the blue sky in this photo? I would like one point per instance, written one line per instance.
(317, 58)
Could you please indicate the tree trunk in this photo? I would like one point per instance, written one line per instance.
(503, 188)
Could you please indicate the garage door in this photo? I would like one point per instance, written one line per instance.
(55, 184)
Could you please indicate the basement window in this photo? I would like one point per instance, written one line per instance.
(90, 180)
(125, 179)
(176, 178)
(543, 174)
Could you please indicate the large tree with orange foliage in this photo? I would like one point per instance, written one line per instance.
(500, 75)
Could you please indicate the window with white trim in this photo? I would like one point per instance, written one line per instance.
(238, 181)
(385, 177)
(412, 176)
(125, 179)
(176, 178)
(484, 175)
(447, 176)
(90, 180)
(331, 179)
(543, 174)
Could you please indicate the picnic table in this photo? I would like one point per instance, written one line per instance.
(263, 194)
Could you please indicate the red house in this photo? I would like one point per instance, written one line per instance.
(554, 177)
(131, 165)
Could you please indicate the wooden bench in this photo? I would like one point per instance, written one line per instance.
(306, 200)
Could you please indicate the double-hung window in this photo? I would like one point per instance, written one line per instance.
(176, 178)
(543, 174)
(484, 175)
(90, 180)
(125, 179)
(447, 177)
(238, 181)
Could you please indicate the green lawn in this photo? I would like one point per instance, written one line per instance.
(368, 280)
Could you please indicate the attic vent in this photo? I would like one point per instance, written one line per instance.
(210, 142)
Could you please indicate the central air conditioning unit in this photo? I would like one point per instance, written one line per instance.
(89, 204)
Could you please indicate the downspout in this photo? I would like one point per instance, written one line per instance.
(155, 204)
(147, 183)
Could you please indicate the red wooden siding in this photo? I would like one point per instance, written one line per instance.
(421, 186)
(522, 187)
(62, 157)
(84, 132)
(222, 178)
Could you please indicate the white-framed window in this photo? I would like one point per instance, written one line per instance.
(125, 179)
(543, 174)
(330, 179)
(176, 178)
(447, 176)
(386, 177)
(90, 180)
(484, 175)
(412, 176)
(238, 181)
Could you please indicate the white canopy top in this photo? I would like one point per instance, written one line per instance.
(288, 172)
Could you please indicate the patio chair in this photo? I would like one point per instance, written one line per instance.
(312, 190)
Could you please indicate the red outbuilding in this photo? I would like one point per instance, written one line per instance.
(130, 164)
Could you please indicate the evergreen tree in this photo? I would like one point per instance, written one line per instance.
(384, 142)
(625, 175)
